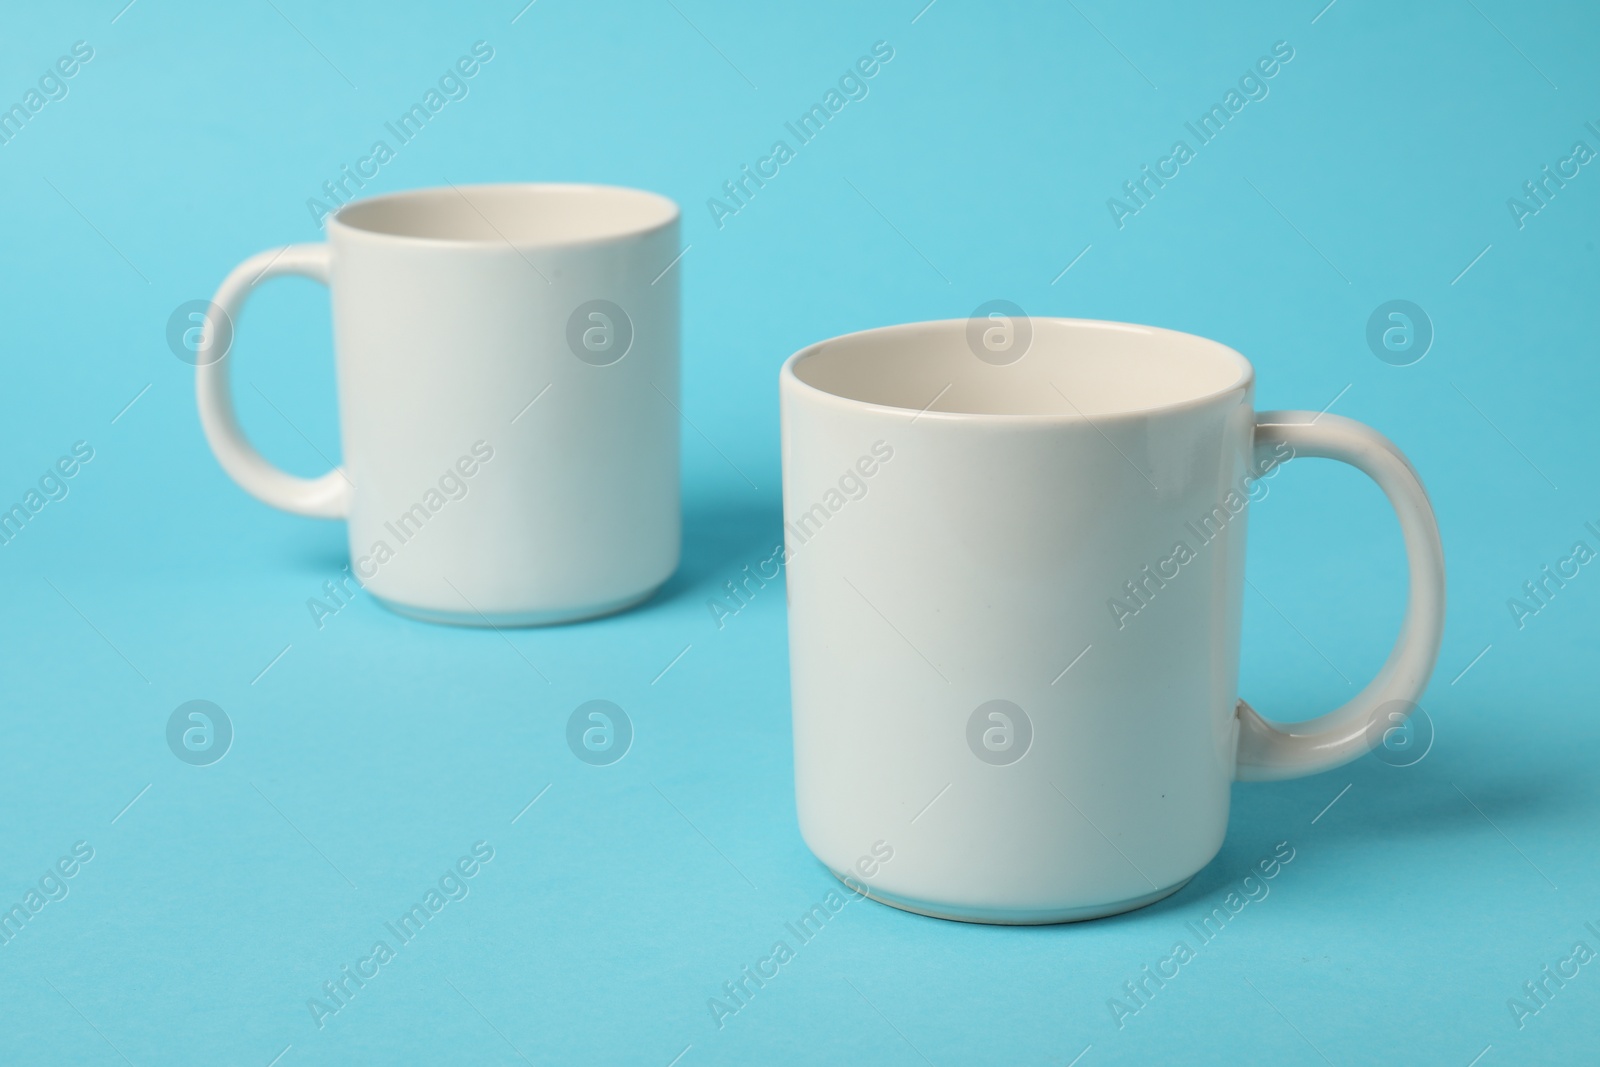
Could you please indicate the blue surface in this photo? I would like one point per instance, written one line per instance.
(376, 751)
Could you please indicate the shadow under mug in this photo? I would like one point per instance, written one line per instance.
(1015, 556)
(507, 363)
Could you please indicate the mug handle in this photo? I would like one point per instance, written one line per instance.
(1267, 752)
(325, 497)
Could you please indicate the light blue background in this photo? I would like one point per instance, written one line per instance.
(377, 750)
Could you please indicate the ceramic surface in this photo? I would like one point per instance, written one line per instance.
(1015, 588)
(508, 388)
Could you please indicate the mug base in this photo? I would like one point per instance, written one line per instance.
(1011, 916)
(517, 618)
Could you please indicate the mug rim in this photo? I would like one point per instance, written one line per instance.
(789, 380)
(668, 214)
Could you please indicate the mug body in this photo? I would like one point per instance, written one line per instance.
(1015, 584)
(508, 388)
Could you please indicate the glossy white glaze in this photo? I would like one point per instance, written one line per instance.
(452, 311)
(959, 533)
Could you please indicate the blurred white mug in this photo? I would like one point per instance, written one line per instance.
(507, 362)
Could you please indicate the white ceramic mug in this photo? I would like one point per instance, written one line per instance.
(508, 387)
(1015, 584)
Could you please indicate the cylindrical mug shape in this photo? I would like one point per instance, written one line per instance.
(1015, 584)
(508, 383)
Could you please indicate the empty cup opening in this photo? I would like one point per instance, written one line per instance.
(527, 216)
(1060, 367)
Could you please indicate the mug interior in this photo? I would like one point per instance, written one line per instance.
(525, 215)
(1068, 367)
